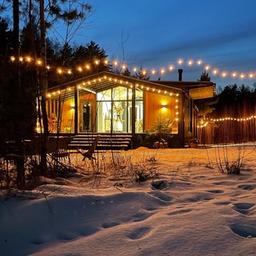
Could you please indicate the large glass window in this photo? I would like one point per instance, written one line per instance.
(114, 110)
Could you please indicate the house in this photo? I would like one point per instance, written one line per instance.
(107, 103)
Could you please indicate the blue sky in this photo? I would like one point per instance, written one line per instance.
(155, 33)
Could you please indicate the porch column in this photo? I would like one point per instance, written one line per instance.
(182, 111)
(76, 97)
(133, 113)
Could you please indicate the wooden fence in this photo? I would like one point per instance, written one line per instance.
(228, 132)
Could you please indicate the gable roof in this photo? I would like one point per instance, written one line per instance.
(128, 79)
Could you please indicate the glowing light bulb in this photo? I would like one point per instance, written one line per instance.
(79, 69)
(134, 69)
(224, 74)
(215, 71)
(207, 67)
(12, 58)
(48, 67)
(97, 62)
(87, 66)
(180, 61)
(115, 63)
(190, 62)
(234, 74)
(171, 67)
(69, 71)
(199, 62)
(251, 75)
(59, 71)
(242, 76)
(162, 71)
(153, 71)
(21, 59)
(39, 62)
(28, 59)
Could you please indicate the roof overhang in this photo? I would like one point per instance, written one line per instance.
(103, 80)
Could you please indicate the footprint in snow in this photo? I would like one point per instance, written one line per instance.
(247, 186)
(243, 208)
(215, 191)
(246, 229)
(140, 216)
(164, 197)
(110, 224)
(139, 233)
(178, 212)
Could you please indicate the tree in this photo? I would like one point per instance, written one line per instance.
(205, 77)
(141, 74)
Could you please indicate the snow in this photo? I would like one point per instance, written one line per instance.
(191, 209)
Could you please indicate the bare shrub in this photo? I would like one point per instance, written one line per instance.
(225, 164)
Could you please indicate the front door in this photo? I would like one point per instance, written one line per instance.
(86, 116)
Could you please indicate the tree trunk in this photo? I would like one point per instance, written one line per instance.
(19, 138)
(43, 87)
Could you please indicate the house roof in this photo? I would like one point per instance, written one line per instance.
(129, 79)
(186, 84)
(105, 80)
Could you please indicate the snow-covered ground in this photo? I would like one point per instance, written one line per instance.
(198, 211)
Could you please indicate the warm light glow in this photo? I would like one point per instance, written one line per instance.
(190, 62)
(180, 61)
(97, 62)
(215, 71)
(207, 67)
(153, 71)
(59, 71)
(162, 71)
(79, 69)
(199, 62)
(223, 74)
(171, 67)
(28, 59)
(12, 58)
(39, 62)
(69, 72)
(87, 66)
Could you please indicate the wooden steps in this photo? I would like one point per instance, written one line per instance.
(106, 141)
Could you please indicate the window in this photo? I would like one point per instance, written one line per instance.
(114, 110)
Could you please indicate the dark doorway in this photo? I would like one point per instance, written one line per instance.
(87, 116)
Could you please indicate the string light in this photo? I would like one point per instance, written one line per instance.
(117, 64)
(120, 81)
(206, 122)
